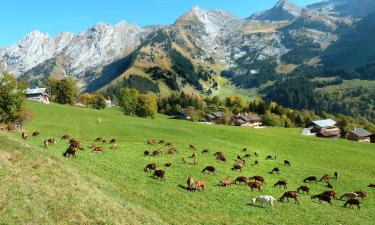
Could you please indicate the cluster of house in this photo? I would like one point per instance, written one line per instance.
(328, 129)
(240, 119)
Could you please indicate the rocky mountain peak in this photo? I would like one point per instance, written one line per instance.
(283, 10)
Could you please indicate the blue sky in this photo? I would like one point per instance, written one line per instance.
(19, 17)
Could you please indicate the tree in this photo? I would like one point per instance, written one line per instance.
(63, 91)
(343, 124)
(147, 105)
(86, 99)
(128, 99)
(98, 101)
(236, 104)
(12, 98)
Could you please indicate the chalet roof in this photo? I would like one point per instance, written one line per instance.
(324, 123)
(210, 116)
(360, 132)
(31, 91)
(218, 114)
(241, 121)
(254, 117)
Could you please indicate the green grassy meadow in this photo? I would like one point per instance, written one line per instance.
(40, 186)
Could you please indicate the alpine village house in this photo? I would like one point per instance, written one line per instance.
(38, 94)
(361, 135)
(323, 128)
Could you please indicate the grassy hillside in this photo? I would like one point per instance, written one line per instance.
(112, 188)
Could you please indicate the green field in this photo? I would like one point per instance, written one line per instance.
(40, 186)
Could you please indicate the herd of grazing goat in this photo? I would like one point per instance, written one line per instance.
(74, 144)
(255, 182)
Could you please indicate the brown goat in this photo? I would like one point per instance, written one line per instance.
(352, 202)
(157, 152)
(205, 151)
(226, 182)
(322, 197)
(45, 142)
(255, 185)
(150, 166)
(310, 179)
(200, 184)
(209, 169)
(24, 136)
(240, 180)
(75, 144)
(290, 194)
(221, 158)
(362, 194)
(98, 139)
(325, 178)
(258, 178)
(190, 182)
(159, 174)
(303, 189)
(172, 151)
(330, 193)
(70, 151)
(36, 134)
(281, 183)
(275, 170)
(65, 137)
(98, 149)
(237, 167)
(151, 142)
(51, 141)
(219, 154)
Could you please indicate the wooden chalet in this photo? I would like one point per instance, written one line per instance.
(246, 120)
(359, 134)
(38, 94)
(216, 117)
(325, 128)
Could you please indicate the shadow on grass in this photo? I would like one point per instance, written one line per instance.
(186, 188)
(257, 206)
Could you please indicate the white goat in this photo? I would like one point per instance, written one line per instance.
(264, 199)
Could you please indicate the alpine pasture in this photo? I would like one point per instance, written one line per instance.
(40, 186)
